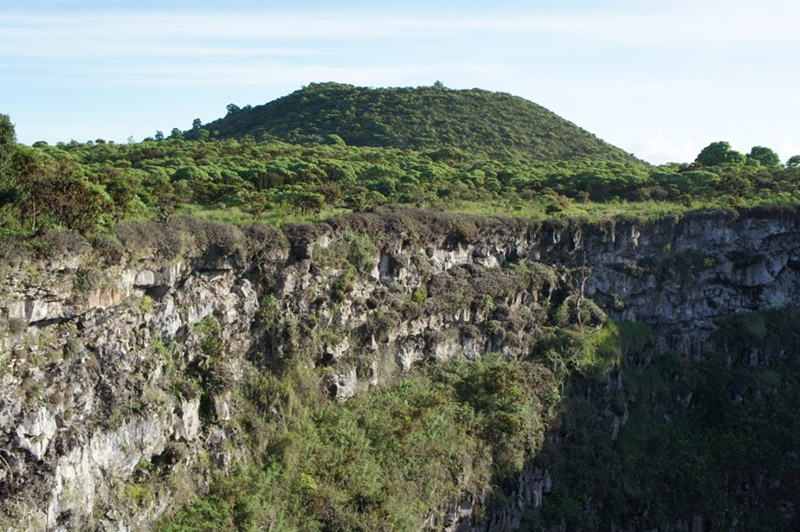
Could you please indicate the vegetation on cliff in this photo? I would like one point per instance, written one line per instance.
(383, 460)
(714, 438)
(711, 439)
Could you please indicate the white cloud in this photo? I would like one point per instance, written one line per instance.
(219, 73)
(680, 25)
(658, 149)
(82, 49)
(119, 44)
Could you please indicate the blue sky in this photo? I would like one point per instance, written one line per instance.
(661, 79)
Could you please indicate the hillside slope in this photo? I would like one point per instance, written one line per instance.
(422, 118)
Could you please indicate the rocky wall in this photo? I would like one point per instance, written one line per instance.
(108, 368)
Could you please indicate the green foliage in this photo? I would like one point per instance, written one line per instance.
(422, 118)
(211, 343)
(764, 156)
(141, 494)
(744, 259)
(588, 351)
(80, 282)
(343, 284)
(350, 249)
(705, 438)
(381, 461)
(634, 336)
(209, 367)
(718, 153)
(419, 295)
(8, 139)
(334, 140)
(90, 187)
(55, 191)
(463, 151)
(685, 265)
(146, 305)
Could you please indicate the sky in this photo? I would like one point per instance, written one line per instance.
(660, 79)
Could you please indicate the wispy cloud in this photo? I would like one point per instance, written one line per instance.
(85, 49)
(117, 44)
(658, 149)
(251, 73)
(607, 69)
(150, 33)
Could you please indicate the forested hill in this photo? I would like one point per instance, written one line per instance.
(422, 118)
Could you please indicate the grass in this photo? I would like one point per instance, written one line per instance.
(234, 215)
(536, 209)
(217, 213)
(591, 211)
(521, 209)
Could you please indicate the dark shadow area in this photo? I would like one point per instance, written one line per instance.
(674, 444)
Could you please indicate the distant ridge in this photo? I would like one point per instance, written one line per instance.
(423, 118)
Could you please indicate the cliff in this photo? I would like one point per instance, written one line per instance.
(118, 359)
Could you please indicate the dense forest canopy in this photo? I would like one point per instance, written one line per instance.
(89, 187)
(422, 118)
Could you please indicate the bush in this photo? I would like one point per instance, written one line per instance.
(383, 460)
(343, 284)
(420, 295)
(108, 248)
(60, 244)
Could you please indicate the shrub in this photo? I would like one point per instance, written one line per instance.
(343, 284)
(58, 244)
(420, 295)
(384, 459)
(108, 248)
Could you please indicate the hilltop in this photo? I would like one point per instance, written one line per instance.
(422, 118)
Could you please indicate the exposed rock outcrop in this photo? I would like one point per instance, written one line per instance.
(93, 360)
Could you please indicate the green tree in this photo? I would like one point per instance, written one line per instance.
(56, 191)
(163, 197)
(176, 134)
(8, 190)
(121, 192)
(255, 202)
(190, 173)
(334, 140)
(302, 201)
(719, 153)
(159, 135)
(8, 140)
(793, 162)
(764, 156)
(28, 166)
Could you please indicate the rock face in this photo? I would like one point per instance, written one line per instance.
(94, 360)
